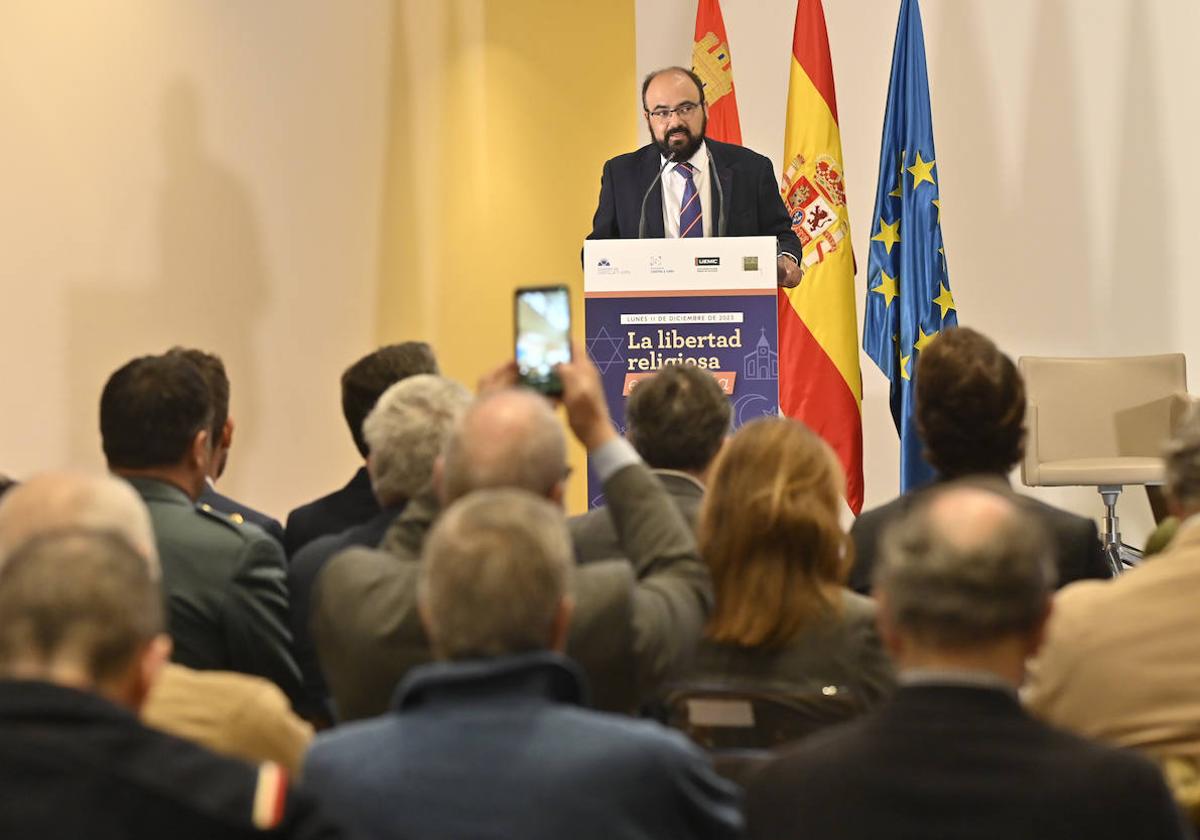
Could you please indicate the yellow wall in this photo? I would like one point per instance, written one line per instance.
(502, 114)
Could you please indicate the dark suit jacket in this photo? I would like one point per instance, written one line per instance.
(333, 513)
(500, 748)
(752, 198)
(234, 509)
(595, 537)
(225, 587)
(1076, 541)
(635, 619)
(963, 762)
(306, 565)
(74, 765)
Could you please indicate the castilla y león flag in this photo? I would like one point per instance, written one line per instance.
(713, 64)
(820, 382)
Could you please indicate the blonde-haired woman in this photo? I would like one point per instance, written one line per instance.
(770, 533)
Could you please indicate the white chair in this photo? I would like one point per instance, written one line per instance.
(1101, 423)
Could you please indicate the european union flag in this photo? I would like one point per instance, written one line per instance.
(908, 289)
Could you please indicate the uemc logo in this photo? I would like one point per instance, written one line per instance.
(708, 261)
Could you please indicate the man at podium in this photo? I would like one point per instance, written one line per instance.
(667, 189)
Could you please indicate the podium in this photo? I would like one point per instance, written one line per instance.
(709, 302)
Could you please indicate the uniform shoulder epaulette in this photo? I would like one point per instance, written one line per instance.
(234, 521)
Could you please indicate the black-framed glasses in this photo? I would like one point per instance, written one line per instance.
(683, 109)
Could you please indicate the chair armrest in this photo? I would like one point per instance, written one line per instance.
(1182, 405)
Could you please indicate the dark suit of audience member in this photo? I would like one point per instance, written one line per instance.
(677, 420)
(331, 514)
(362, 384)
(970, 410)
(494, 742)
(213, 370)
(636, 617)
(770, 533)
(1077, 551)
(226, 584)
(965, 585)
(75, 761)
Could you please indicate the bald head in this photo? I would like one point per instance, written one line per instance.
(965, 568)
(56, 501)
(509, 438)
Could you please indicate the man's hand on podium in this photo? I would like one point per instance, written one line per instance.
(790, 273)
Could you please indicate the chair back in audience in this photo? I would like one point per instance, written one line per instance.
(734, 718)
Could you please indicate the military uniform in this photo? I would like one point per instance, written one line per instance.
(74, 765)
(226, 589)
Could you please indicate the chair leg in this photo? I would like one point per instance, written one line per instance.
(1119, 555)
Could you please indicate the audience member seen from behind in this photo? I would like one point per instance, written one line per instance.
(213, 370)
(1122, 659)
(234, 714)
(406, 430)
(495, 740)
(81, 645)
(970, 411)
(964, 591)
(226, 585)
(770, 534)
(362, 384)
(640, 614)
(677, 421)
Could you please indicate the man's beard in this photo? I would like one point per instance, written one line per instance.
(682, 152)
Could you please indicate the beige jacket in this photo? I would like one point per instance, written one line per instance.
(234, 714)
(1122, 658)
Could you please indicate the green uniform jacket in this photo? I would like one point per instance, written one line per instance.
(226, 589)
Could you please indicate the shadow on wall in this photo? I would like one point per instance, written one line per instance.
(1138, 317)
(210, 290)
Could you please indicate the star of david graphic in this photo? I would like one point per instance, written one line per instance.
(605, 350)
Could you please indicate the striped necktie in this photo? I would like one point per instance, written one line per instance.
(691, 220)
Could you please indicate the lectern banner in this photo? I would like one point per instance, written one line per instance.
(710, 303)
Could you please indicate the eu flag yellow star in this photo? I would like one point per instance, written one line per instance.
(886, 287)
(923, 340)
(904, 367)
(889, 234)
(922, 171)
(937, 202)
(944, 299)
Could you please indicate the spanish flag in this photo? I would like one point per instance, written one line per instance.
(712, 62)
(820, 382)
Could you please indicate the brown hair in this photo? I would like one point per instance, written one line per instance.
(769, 531)
(970, 405)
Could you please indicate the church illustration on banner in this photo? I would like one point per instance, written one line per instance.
(761, 363)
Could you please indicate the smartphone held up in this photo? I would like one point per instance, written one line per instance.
(542, 335)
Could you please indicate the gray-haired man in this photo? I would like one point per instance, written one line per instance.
(492, 742)
(964, 592)
(404, 432)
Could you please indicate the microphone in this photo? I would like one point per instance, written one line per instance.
(712, 168)
(646, 197)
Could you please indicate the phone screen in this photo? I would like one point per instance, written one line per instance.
(543, 335)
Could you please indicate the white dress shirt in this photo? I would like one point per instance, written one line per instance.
(672, 192)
